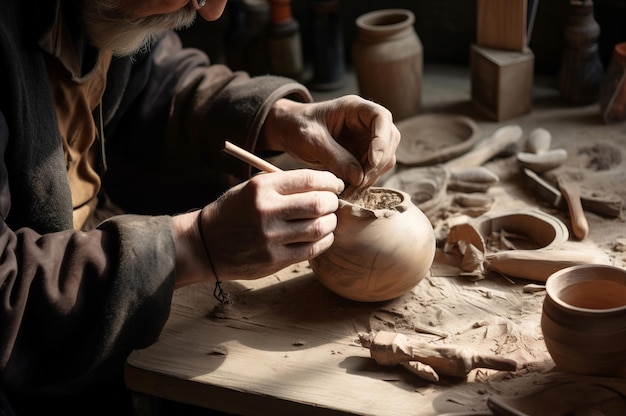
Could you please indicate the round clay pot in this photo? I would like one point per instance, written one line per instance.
(387, 57)
(584, 319)
(384, 246)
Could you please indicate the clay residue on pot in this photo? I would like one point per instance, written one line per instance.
(381, 249)
(376, 198)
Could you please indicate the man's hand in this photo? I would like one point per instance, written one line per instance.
(260, 226)
(352, 137)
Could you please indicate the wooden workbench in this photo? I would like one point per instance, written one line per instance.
(288, 346)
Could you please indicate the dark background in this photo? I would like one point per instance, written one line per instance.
(446, 28)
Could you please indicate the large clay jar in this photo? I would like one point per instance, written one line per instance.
(387, 58)
(584, 319)
(384, 246)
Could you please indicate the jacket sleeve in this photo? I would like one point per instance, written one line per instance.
(69, 301)
(166, 153)
(73, 300)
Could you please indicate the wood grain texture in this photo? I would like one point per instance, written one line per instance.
(282, 354)
(501, 24)
(502, 81)
(290, 347)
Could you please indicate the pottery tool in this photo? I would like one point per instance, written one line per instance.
(571, 192)
(432, 181)
(265, 166)
(249, 158)
(538, 156)
(610, 206)
(540, 159)
(539, 141)
(502, 139)
(536, 261)
(538, 265)
(427, 360)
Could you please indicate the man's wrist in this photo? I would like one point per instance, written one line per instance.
(270, 139)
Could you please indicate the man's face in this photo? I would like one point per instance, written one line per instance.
(128, 26)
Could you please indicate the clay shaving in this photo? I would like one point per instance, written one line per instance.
(376, 199)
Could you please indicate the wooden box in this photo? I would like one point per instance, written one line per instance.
(502, 81)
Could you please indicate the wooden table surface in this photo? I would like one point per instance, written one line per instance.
(288, 346)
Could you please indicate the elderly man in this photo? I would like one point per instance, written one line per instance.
(114, 190)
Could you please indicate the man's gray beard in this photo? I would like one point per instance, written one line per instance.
(110, 27)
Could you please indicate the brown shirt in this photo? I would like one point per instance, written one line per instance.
(76, 96)
(75, 303)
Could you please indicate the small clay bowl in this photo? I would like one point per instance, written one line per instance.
(428, 139)
(584, 319)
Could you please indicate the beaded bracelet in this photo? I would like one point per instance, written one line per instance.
(219, 293)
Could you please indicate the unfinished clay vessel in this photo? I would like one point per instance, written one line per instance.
(384, 246)
(584, 319)
(387, 57)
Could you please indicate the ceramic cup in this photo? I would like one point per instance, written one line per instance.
(584, 319)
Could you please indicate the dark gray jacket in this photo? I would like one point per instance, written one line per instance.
(72, 300)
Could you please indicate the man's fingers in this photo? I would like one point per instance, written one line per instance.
(306, 180)
(308, 205)
(310, 230)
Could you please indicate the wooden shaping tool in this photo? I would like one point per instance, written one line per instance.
(435, 179)
(265, 166)
(609, 206)
(571, 192)
(539, 264)
(249, 158)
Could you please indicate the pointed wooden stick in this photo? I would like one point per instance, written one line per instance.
(249, 158)
(265, 166)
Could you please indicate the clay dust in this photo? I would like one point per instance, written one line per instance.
(375, 199)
